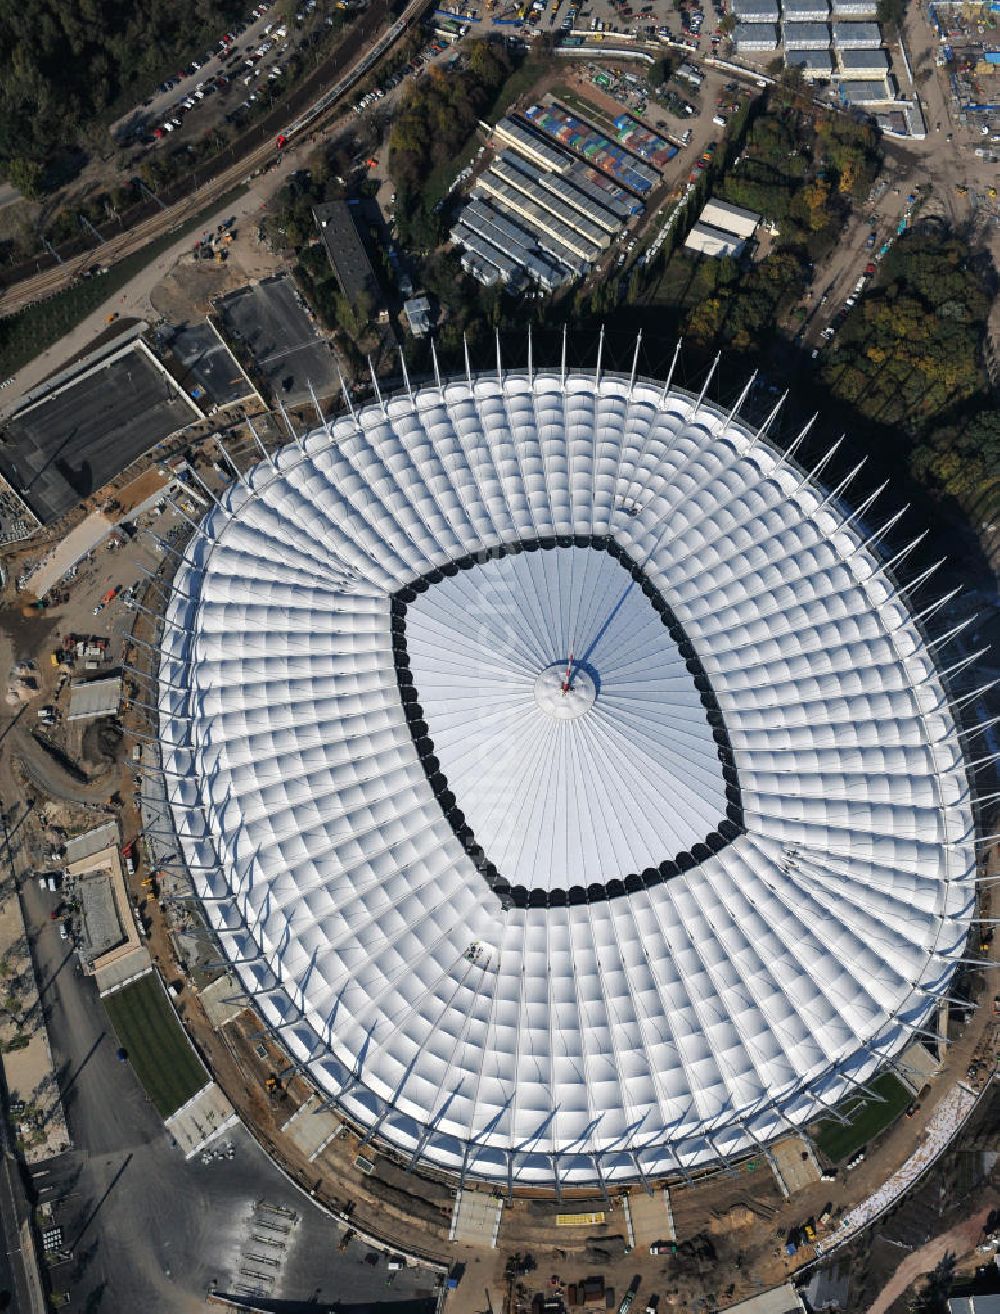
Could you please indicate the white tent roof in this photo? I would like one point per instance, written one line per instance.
(564, 718)
(361, 781)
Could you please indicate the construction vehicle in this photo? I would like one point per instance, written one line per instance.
(272, 1084)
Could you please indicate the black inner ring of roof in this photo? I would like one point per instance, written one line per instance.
(520, 896)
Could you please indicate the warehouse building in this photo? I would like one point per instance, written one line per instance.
(527, 180)
(812, 64)
(751, 37)
(582, 211)
(731, 218)
(805, 11)
(538, 214)
(500, 229)
(857, 36)
(548, 268)
(860, 65)
(756, 11)
(94, 698)
(722, 230)
(805, 36)
(519, 137)
(852, 10)
(705, 240)
(346, 252)
(866, 93)
(527, 209)
(486, 262)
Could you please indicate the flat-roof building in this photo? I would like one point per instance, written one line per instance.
(755, 36)
(875, 92)
(805, 36)
(857, 36)
(516, 134)
(730, 218)
(810, 63)
(805, 11)
(94, 698)
(853, 10)
(346, 252)
(418, 315)
(862, 64)
(756, 11)
(714, 242)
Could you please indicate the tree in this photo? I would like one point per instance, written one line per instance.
(26, 176)
(659, 73)
(891, 12)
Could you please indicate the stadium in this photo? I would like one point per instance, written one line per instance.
(565, 776)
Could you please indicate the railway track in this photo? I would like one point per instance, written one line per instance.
(172, 217)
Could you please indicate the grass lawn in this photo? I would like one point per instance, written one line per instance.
(158, 1049)
(868, 1118)
(27, 333)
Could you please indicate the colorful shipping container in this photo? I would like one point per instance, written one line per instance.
(599, 151)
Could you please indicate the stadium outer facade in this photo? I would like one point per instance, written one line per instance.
(564, 777)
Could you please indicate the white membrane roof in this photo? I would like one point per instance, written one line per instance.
(351, 719)
(617, 771)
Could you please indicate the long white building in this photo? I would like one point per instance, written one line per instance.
(564, 776)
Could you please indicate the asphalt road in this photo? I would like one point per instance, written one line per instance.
(149, 1230)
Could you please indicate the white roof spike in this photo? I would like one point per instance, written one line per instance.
(347, 399)
(765, 428)
(378, 390)
(635, 363)
(459, 554)
(437, 370)
(861, 510)
(742, 397)
(265, 454)
(406, 376)
(670, 373)
(316, 406)
(708, 379)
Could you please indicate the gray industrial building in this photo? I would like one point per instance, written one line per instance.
(810, 63)
(805, 36)
(853, 10)
(346, 252)
(537, 213)
(496, 232)
(857, 36)
(863, 63)
(866, 93)
(755, 11)
(805, 11)
(752, 37)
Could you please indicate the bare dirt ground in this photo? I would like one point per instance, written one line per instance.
(187, 289)
(958, 1240)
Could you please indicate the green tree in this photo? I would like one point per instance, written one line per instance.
(25, 175)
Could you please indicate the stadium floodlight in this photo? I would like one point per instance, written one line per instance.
(585, 788)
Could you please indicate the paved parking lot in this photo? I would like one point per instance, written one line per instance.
(150, 1230)
(70, 444)
(269, 322)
